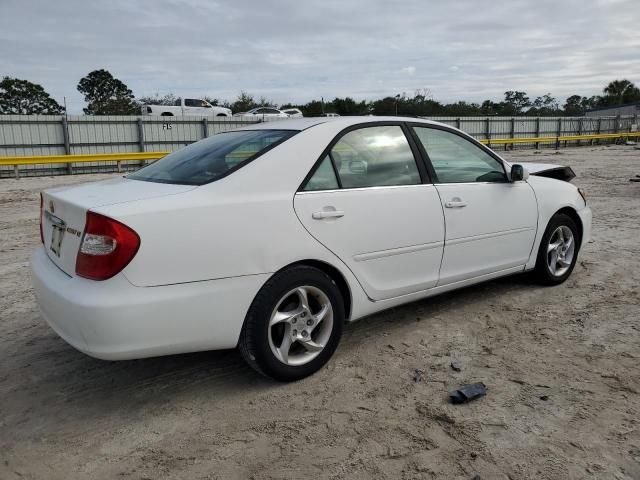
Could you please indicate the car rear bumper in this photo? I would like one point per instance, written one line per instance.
(115, 320)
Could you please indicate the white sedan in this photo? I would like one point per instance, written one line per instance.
(263, 113)
(270, 237)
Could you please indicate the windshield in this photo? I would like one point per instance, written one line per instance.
(213, 158)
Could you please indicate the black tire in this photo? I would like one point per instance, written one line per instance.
(254, 340)
(166, 114)
(542, 271)
(221, 115)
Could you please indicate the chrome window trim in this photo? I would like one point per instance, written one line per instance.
(476, 183)
(357, 189)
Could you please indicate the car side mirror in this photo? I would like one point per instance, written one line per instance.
(519, 173)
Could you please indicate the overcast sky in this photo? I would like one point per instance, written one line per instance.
(288, 50)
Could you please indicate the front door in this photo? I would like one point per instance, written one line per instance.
(367, 203)
(490, 222)
(196, 107)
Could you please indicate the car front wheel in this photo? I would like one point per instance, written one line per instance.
(558, 250)
(294, 324)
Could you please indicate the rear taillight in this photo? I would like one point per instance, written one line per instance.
(41, 214)
(107, 247)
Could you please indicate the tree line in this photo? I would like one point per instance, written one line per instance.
(107, 95)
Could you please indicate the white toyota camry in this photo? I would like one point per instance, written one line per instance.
(270, 237)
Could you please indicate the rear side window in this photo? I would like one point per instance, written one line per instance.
(324, 178)
(213, 158)
(375, 156)
(456, 160)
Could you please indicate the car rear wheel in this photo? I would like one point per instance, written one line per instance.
(294, 324)
(558, 250)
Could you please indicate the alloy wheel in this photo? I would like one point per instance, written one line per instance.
(560, 251)
(300, 325)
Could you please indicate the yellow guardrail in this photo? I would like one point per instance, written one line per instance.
(562, 138)
(118, 157)
(82, 158)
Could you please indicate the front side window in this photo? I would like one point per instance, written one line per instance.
(457, 160)
(210, 159)
(375, 156)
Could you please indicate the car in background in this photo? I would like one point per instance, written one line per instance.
(263, 113)
(187, 107)
(293, 112)
(270, 237)
(330, 115)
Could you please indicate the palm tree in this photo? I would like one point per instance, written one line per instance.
(621, 91)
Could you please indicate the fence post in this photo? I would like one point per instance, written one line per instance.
(559, 133)
(617, 128)
(16, 171)
(458, 123)
(599, 127)
(538, 132)
(579, 129)
(67, 145)
(513, 133)
(488, 129)
(141, 138)
(205, 128)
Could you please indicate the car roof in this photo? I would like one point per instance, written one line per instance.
(308, 122)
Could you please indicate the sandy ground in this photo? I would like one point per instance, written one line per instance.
(561, 365)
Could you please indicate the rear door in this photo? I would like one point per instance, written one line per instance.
(370, 203)
(490, 222)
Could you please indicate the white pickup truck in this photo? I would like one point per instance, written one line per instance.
(192, 107)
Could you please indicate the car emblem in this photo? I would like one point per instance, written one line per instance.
(51, 209)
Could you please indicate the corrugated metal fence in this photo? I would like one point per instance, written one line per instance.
(58, 135)
(27, 135)
(494, 128)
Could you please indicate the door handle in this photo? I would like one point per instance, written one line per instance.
(455, 203)
(327, 214)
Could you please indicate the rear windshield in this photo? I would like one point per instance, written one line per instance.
(213, 158)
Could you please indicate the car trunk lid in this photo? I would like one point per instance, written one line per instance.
(64, 212)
